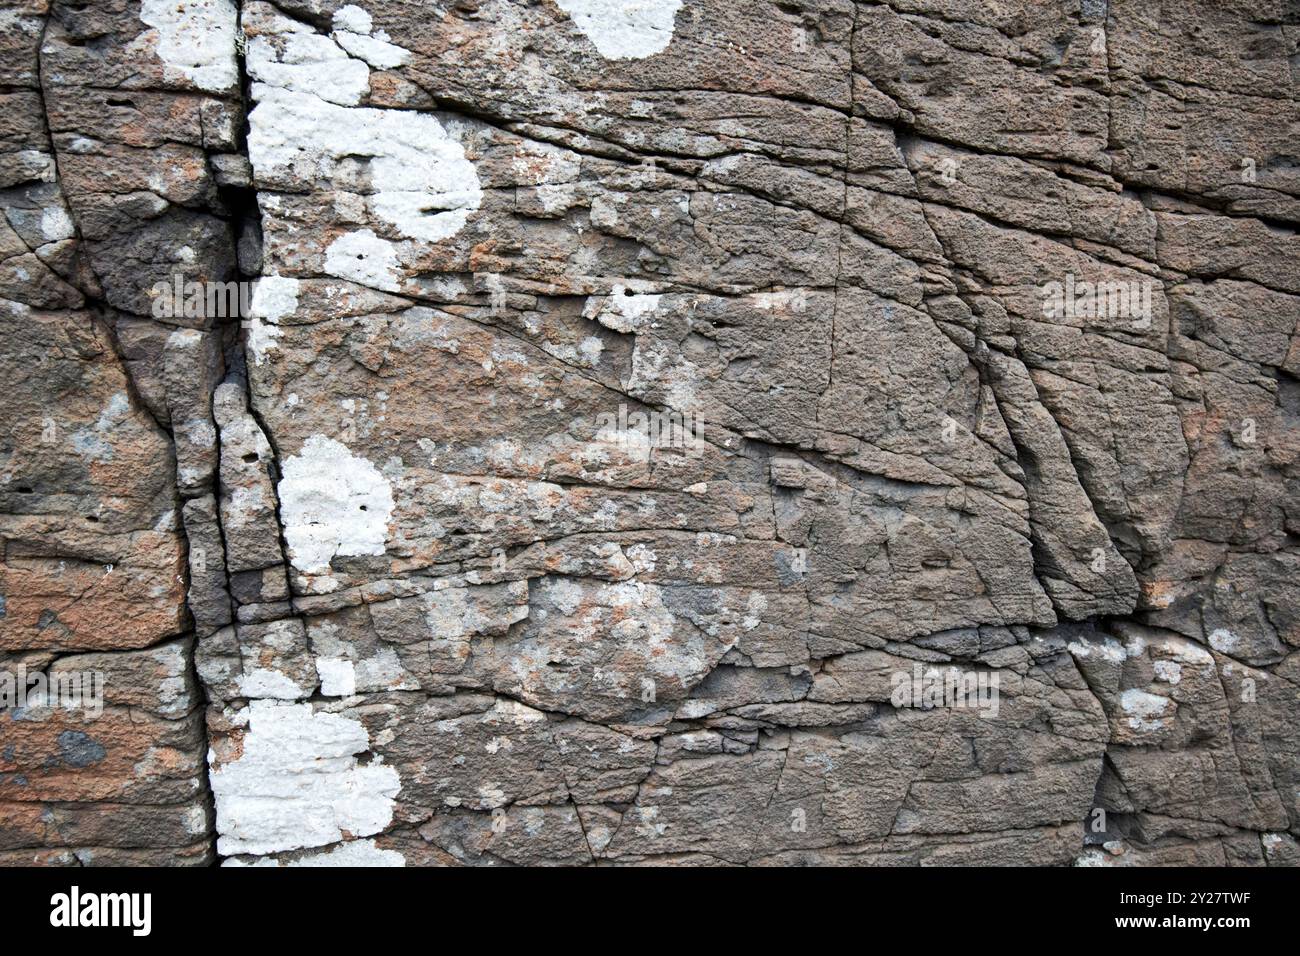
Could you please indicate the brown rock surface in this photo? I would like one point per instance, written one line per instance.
(691, 431)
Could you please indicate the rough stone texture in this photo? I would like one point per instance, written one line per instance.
(390, 547)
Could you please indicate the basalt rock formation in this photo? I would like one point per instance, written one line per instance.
(650, 431)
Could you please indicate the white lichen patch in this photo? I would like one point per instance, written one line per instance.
(1145, 710)
(1107, 649)
(623, 310)
(1187, 652)
(1112, 856)
(307, 129)
(264, 682)
(338, 676)
(297, 783)
(34, 165)
(96, 442)
(245, 507)
(364, 258)
(56, 224)
(353, 853)
(353, 19)
(292, 57)
(332, 503)
(1168, 672)
(274, 298)
(1224, 641)
(589, 627)
(622, 30)
(354, 32)
(345, 669)
(514, 713)
(195, 40)
(565, 594)
(423, 186)
(454, 614)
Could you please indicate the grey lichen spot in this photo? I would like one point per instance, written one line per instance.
(78, 749)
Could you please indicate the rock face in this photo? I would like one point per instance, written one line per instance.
(671, 432)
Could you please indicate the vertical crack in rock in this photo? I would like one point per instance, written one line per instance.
(96, 545)
(283, 777)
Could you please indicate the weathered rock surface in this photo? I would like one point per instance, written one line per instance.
(681, 432)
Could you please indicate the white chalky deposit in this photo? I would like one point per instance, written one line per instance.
(622, 30)
(297, 783)
(196, 40)
(332, 503)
